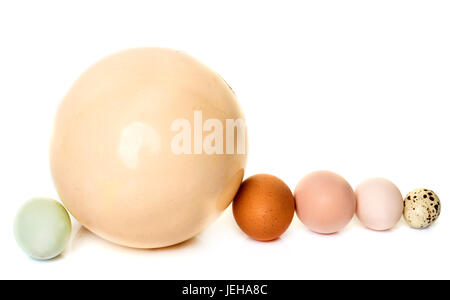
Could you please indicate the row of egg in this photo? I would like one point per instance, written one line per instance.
(263, 208)
(325, 203)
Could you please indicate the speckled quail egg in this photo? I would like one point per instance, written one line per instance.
(421, 208)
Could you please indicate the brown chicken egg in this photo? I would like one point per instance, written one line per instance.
(264, 207)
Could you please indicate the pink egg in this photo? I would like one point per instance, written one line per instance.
(325, 202)
(379, 203)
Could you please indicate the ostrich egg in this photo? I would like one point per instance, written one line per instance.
(148, 147)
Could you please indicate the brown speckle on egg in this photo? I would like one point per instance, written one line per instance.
(417, 213)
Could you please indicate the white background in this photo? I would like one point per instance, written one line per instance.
(361, 88)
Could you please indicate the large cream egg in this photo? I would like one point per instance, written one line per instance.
(148, 148)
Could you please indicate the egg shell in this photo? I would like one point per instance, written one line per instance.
(379, 203)
(112, 153)
(325, 202)
(422, 207)
(264, 207)
(42, 228)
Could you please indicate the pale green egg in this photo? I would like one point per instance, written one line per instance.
(42, 228)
